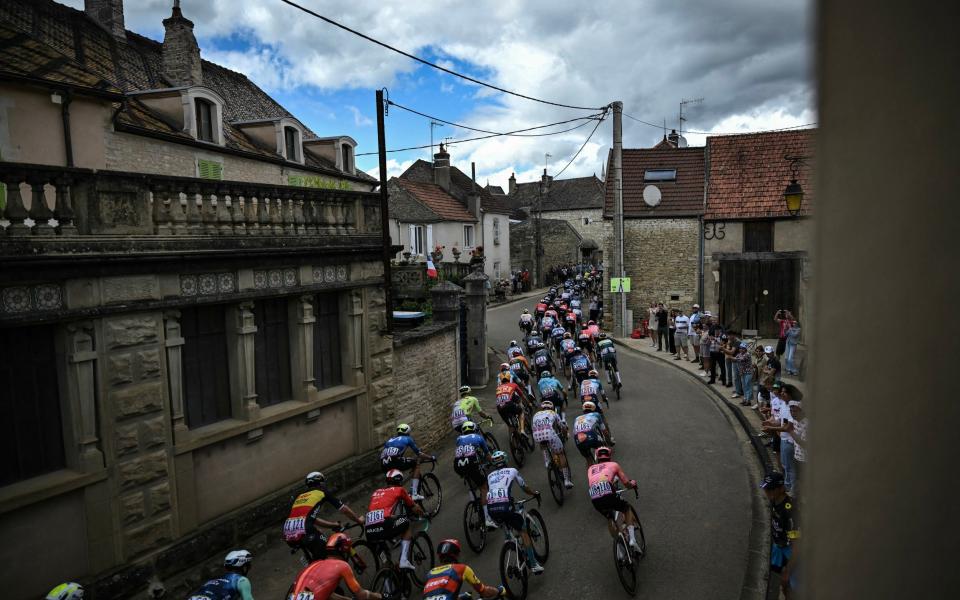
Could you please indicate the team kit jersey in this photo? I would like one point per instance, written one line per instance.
(444, 582)
(580, 363)
(545, 425)
(384, 520)
(550, 388)
(508, 394)
(304, 511)
(606, 349)
(547, 323)
(542, 359)
(590, 387)
(392, 455)
(514, 351)
(471, 448)
(462, 409)
(586, 428)
(500, 485)
(602, 477)
(228, 587)
(321, 579)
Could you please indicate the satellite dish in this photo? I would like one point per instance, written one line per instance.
(651, 195)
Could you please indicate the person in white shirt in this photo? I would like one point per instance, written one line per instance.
(781, 422)
(798, 431)
(682, 324)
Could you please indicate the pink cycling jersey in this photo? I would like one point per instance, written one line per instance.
(602, 476)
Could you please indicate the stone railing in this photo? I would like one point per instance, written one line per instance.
(69, 202)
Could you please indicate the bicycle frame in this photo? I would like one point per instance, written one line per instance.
(620, 522)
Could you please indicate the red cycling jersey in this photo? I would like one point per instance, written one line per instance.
(322, 578)
(388, 499)
(507, 393)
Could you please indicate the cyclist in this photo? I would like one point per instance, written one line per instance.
(551, 389)
(66, 591)
(580, 365)
(392, 457)
(301, 530)
(608, 355)
(589, 431)
(510, 401)
(552, 311)
(602, 477)
(386, 521)
(532, 342)
(514, 349)
(542, 360)
(591, 388)
(500, 502)
(234, 584)
(526, 322)
(521, 371)
(471, 454)
(444, 581)
(593, 328)
(556, 334)
(547, 429)
(570, 321)
(548, 322)
(585, 340)
(464, 407)
(321, 580)
(568, 346)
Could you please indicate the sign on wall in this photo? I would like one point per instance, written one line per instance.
(619, 284)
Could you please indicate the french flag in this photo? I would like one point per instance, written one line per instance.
(431, 270)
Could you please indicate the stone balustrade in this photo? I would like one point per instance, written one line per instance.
(71, 202)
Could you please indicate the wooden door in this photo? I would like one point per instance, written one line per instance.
(751, 291)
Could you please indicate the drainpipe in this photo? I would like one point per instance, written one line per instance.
(706, 184)
(64, 100)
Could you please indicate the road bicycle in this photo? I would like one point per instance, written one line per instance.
(429, 488)
(555, 477)
(474, 521)
(613, 378)
(520, 444)
(487, 436)
(626, 559)
(514, 570)
(393, 582)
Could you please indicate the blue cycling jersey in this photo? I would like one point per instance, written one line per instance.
(472, 445)
(580, 363)
(401, 443)
(549, 386)
(557, 332)
(222, 588)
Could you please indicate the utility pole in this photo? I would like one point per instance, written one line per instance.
(619, 270)
(384, 213)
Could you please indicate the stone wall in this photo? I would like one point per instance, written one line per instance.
(597, 229)
(560, 244)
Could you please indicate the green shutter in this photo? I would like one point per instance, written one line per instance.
(209, 169)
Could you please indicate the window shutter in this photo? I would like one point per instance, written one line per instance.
(429, 247)
(209, 169)
(413, 239)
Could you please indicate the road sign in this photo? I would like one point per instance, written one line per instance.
(619, 284)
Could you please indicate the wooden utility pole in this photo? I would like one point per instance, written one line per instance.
(621, 327)
(384, 213)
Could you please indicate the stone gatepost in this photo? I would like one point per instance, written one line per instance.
(475, 283)
(446, 302)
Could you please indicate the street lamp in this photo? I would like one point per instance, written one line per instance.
(793, 194)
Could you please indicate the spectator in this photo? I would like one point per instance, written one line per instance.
(780, 423)
(663, 327)
(784, 532)
(745, 370)
(652, 324)
(682, 323)
(772, 368)
(703, 325)
(717, 339)
(798, 431)
(525, 280)
(594, 309)
(793, 338)
(695, 340)
(672, 331)
(733, 374)
(784, 319)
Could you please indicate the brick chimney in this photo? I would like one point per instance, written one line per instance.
(441, 168)
(108, 14)
(181, 54)
(545, 181)
(512, 187)
(473, 199)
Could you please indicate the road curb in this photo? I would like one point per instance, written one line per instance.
(758, 553)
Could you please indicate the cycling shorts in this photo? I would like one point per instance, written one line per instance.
(403, 463)
(609, 503)
(508, 411)
(609, 359)
(504, 514)
(555, 444)
(469, 468)
(314, 544)
(391, 528)
(586, 447)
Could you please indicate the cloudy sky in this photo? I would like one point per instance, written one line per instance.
(750, 61)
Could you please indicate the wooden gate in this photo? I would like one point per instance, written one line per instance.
(751, 291)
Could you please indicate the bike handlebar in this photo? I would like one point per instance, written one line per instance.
(635, 490)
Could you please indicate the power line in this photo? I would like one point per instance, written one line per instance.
(722, 133)
(583, 146)
(430, 64)
(461, 126)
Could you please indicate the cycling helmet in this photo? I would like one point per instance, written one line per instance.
(448, 550)
(66, 591)
(467, 427)
(512, 343)
(589, 407)
(591, 322)
(504, 366)
(593, 373)
(545, 374)
(395, 476)
(526, 312)
(237, 559)
(315, 479)
(567, 336)
(505, 377)
(603, 454)
(403, 429)
(541, 345)
(340, 543)
(498, 459)
(602, 336)
(546, 405)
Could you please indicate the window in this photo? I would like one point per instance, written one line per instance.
(346, 153)
(206, 376)
(496, 270)
(31, 430)
(496, 231)
(660, 175)
(209, 169)
(205, 112)
(327, 367)
(272, 351)
(468, 236)
(418, 242)
(291, 143)
(758, 236)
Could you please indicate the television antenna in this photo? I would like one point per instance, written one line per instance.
(432, 125)
(684, 102)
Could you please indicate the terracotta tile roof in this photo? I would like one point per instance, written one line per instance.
(460, 187)
(748, 174)
(437, 200)
(578, 193)
(679, 198)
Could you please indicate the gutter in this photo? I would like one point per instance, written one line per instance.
(65, 99)
(700, 242)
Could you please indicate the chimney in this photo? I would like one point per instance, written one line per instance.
(108, 14)
(674, 138)
(512, 188)
(181, 54)
(545, 180)
(473, 199)
(441, 168)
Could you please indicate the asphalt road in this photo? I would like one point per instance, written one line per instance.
(694, 495)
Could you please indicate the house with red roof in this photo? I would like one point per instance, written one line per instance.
(755, 252)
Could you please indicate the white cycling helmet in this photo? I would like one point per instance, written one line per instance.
(465, 389)
(237, 559)
(315, 478)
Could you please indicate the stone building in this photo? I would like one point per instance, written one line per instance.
(191, 305)
(561, 245)
(663, 190)
(756, 254)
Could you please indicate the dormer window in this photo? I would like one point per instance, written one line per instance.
(204, 111)
(346, 151)
(291, 139)
(195, 110)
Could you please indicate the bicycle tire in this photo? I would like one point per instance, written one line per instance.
(475, 526)
(491, 441)
(537, 528)
(517, 449)
(369, 563)
(432, 492)
(626, 568)
(641, 539)
(387, 583)
(512, 576)
(421, 555)
(556, 483)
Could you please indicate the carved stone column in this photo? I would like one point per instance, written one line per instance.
(475, 284)
(302, 358)
(243, 382)
(81, 378)
(355, 314)
(174, 344)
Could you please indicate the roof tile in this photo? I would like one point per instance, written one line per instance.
(437, 200)
(683, 197)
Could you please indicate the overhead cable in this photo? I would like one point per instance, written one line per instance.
(431, 64)
(722, 133)
(585, 142)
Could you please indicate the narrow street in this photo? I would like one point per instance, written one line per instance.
(694, 495)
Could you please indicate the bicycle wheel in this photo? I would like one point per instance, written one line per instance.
(556, 483)
(626, 567)
(617, 388)
(365, 563)
(537, 529)
(513, 570)
(641, 540)
(474, 526)
(421, 555)
(432, 494)
(387, 583)
(517, 448)
(491, 441)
